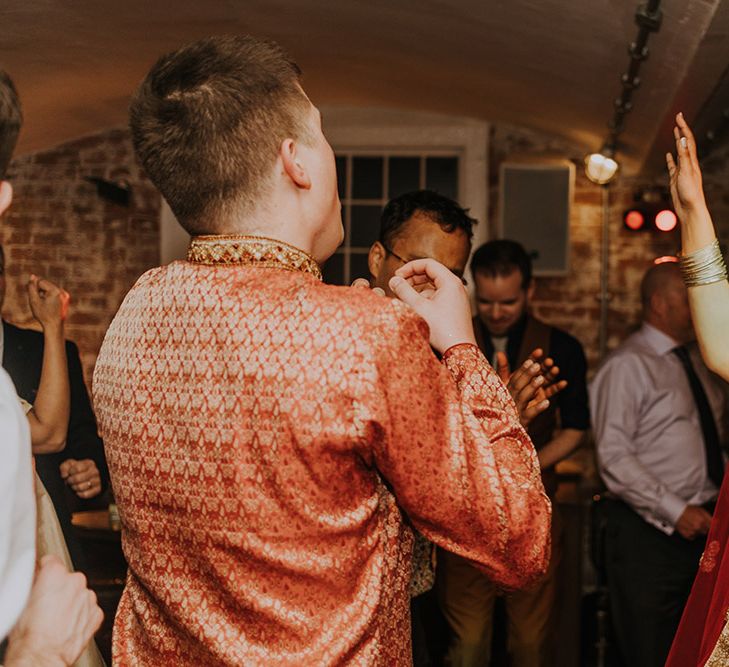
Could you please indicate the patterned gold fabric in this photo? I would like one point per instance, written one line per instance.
(720, 655)
(258, 426)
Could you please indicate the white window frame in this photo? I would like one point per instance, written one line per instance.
(418, 133)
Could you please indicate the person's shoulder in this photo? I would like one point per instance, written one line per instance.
(564, 339)
(31, 336)
(626, 359)
(16, 333)
(365, 309)
(151, 276)
(145, 291)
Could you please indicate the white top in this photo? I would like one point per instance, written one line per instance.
(499, 343)
(17, 507)
(650, 446)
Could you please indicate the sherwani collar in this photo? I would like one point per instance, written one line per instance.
(252, 251)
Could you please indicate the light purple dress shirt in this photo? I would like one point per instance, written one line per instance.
(650, 447)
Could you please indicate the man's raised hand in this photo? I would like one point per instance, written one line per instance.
(442, 301)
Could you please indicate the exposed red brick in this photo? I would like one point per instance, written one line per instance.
(59, 227)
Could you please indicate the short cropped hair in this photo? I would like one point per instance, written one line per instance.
(207, 123)
(11, 120)
(446, 212)
(502, 257)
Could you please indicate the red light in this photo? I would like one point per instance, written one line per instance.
(666, 220)
(634, 220)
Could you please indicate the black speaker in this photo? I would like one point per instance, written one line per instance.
(535, 201)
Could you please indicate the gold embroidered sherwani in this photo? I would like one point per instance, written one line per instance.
(266, 434)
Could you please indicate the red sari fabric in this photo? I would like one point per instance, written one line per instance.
(265, 433)
(706, 610)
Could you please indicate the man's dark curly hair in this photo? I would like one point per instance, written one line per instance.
(501, 257)
(446, 212)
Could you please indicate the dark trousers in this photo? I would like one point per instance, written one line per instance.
(649, 578)
(421, 652)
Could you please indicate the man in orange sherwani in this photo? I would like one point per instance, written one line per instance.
(265, 432)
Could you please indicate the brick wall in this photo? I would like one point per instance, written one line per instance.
(716, 185)
(571, 302)
(59, 227)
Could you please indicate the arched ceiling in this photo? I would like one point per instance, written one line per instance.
(551, 65)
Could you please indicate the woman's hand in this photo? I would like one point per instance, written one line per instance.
(48, 302)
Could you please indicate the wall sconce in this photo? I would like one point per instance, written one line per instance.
(601, 167)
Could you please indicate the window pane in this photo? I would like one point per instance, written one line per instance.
(358, 266)
(365, 226)
(404, 175)
(333, 270)
(441, 175)
(342, 176)
(367, 178)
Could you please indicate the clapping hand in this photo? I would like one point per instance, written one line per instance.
(532, 384)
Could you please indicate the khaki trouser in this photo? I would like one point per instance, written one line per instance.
(467, 599)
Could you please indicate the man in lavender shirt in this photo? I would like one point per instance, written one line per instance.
(658, 417)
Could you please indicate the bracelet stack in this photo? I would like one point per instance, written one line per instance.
(704, 266)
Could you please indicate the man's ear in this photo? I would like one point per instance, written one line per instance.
(375, 259)
(292, 164)
(531, 288)
(657, 304)
(6, 196)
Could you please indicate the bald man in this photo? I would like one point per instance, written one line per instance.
(658, 418)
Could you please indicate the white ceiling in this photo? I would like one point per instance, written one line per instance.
(551, 65)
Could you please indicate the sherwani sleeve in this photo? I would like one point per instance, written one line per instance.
(458, 460)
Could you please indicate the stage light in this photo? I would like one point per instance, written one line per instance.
(600, 168)
(666, 220)
(666, 259)
(651, 211)
(648, 217)
(634, 220)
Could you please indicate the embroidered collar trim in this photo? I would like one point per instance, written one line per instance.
(251, 250)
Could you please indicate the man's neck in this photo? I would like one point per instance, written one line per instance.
(661, 326)
(514, 332)
(269, 227)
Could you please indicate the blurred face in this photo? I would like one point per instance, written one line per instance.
(2, 278)
(676, 314)
(501, 301)
(326, 208)
(418, 238)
